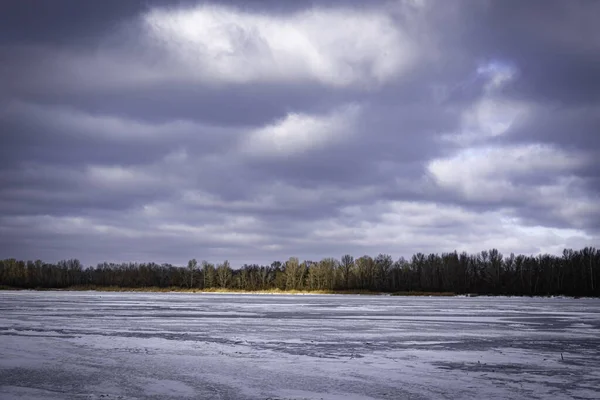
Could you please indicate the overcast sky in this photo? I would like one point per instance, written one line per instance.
(254, 131)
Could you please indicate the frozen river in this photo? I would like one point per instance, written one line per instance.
(89, 345)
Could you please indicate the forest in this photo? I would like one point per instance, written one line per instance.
(574, 273)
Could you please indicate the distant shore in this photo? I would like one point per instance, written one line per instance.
(154, 289)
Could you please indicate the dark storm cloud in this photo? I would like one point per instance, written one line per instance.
(209, 105)
(170, 130)
(555, 43)
(64, 22)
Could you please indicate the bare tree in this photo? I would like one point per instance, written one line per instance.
(224, 274)
(346, 267)
(192, 265)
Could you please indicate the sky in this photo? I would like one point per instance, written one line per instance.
(154, 130)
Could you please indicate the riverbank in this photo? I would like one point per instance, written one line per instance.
(155, 289)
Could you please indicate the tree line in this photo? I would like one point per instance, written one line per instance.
(574, 273)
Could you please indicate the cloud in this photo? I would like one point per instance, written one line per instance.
(35, 69)
(569, 201)
(299, 133)
(555, 50)
(280, 198)
(403, 227)
(487, 119)
(493, 173)
(209, 44)
(492, 114)
(259, 131)
(156, 232)
(118, 176)
(498, 73)
(539, 182)
(335, 47)
(76, 123)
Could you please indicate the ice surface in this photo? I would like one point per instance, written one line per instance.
(92, 345)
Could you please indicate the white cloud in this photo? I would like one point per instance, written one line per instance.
(402, 227)
(489, 117)
(298, 133)
(218, 45)
(569, 200)
(492, 117)
(488, 173)
(336, 47)
(116, 176)
(170, 171)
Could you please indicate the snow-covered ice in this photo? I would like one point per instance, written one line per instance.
(93, 345)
